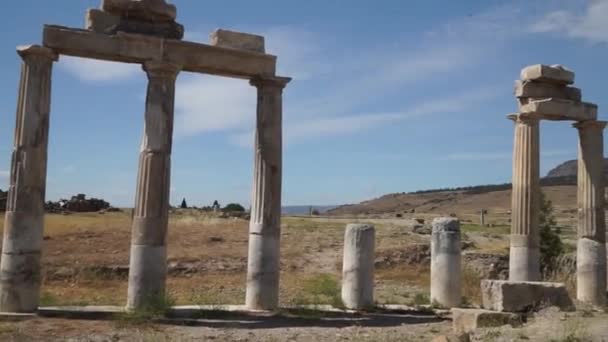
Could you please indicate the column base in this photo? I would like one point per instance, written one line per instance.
(20, 282)
(524, 264)
(446, 289)
(591, 271)
(263, 272)
(147, 275)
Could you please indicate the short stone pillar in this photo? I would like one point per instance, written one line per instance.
(591, 248)
(482, 217)
(148, 264)
(524, 257)
(24, 218)
(265, 223)
(358, 266)
(446, 289)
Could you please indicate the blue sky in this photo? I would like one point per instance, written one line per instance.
(387, 96)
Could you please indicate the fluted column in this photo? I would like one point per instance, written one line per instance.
(148, 264)
(265, 224)
(24, 218)
(524, 259)
(591, 248)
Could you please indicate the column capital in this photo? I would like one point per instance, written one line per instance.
(270, 82)
(160, 69)
(590, 125)
(25, 51)
(523, 118)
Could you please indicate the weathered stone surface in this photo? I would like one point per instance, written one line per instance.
(560, 109)
(24, 218)
(135, 48)
(524, 255)
(446, 262)
(524, 296)
(148, 264)
(358, 266)
(237, 40)
(102, 22)
(147, 10)
(265, 223)
(468, 320)
(545, 73)
(546, 90)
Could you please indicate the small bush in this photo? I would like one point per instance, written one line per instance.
(234, 207)
(321, 289)
(551, 245)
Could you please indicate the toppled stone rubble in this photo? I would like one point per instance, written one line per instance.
(79, 204)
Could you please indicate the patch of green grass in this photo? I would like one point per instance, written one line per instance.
(574, 330)
(48, 299)
(320, 289)
(153, 307)
(421, 299)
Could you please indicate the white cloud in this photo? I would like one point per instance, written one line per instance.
(4, 174)
(590, 24)
(91, 70)
(206, 103)
(312, 128)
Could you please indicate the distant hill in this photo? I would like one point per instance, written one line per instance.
(570, 169)
(559, 186)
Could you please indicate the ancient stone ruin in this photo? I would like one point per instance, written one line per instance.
(143, 32)
(77, 204)
(545, 93)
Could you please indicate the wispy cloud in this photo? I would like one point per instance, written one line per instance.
(590, 24)
(206, 103)
(4, 174)
(91, 70)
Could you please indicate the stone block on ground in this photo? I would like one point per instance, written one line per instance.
(468, 320)
(524, 296)
(547, 73)
(559, 109)
(237, 40)
(546, 90)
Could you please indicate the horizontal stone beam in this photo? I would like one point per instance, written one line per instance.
(546, 90)
(135, 48)
(559, 109)
(547, 73)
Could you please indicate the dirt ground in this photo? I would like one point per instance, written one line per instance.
(85, 258)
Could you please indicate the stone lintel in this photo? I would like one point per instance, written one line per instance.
(534, 89)
(37, 50)
(547, 73)
(468, 320)
(136, 48)
(560, 109)
(524, 296)
(148, 10)
(237, 40)
(103, 22)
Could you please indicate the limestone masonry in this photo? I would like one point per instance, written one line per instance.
(143, 32)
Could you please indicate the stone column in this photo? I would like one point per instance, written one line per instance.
(24, 218)
(591, 248)
(148, 264)
(524, 259)
(446, 289)
(358, 266)
(265, 224)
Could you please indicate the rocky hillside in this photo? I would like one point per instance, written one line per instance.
(559, 185)
(570, 168)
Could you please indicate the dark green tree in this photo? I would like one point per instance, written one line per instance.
(551, 245)
(234, 207)
(184, 205)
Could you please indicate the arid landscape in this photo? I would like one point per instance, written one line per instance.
(85, 262)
